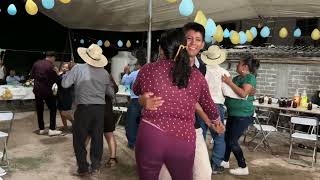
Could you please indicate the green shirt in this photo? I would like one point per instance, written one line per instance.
(241, 107)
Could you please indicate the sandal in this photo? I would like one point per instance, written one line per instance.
(111, 162)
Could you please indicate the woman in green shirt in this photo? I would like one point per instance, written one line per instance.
(240, 111)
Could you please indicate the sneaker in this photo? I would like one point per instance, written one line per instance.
(217, 170)
(240, 171)
(43, 132)
(54, 132)
(225, 164)
(2, 172)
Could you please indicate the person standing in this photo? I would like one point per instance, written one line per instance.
(134, 108)
(65, 99)
(172, 124)
(44, 77)
(240, 111)
(91, 83)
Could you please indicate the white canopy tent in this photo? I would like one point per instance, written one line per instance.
(132, 15)
(147, 15)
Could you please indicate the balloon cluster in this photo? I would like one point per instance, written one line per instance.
(32, 8)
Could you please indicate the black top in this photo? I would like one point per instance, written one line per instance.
(203, 69)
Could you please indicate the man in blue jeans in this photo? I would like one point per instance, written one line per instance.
(212, 58)
(134, 108)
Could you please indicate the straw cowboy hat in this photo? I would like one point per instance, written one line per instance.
(214, 55)
(93, 55)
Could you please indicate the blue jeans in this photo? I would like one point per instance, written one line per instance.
(219, 145)
(133, 120)
(234, 130)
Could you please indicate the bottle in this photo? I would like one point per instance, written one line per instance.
(310, 105)
(304, 99)
(296, 98)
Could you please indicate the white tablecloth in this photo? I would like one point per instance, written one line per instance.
(18, 92)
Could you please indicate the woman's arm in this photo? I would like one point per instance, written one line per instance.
(218, 127)
(242, 92)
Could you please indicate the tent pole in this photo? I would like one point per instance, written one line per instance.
(149, 32)
(70, 43)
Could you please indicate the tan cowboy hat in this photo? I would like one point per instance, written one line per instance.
(93, 55)
(214, 55)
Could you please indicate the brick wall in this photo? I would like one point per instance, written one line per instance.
(282, 80)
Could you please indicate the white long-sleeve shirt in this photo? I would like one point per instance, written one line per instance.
(214, 78)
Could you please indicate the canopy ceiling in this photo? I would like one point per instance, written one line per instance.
(132, 15)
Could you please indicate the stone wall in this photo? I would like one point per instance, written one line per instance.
(282, 80)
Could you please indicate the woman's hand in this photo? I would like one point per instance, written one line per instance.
(218, 127)
(226, 79)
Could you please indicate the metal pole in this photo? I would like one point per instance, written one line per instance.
(70, 43)
(149, 33)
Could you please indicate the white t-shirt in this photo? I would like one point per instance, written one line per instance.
(2, 72)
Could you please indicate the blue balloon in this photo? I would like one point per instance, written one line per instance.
(254, 31)
(226, 33)
(210, 27)
(120, 43)
(99, 43)
(186, 7)
(81, 41)
(208, 39)
(48, 4)
(265, 32)
(12, 10)
(297, 33)
(243, 37)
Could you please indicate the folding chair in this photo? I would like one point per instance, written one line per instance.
(119, 109)
(263, 128)
(286, 115)
(309, 136)
(6, 117)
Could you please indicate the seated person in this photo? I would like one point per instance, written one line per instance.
(12, 79)
(315, 99)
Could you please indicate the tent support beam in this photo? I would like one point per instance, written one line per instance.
(149, 32)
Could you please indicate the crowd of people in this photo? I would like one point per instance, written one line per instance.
(174, 101)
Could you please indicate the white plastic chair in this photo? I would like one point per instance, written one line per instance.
(6, 117)
(309, 136)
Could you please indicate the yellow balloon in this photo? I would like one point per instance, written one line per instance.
(65, 1)
(249, 36)
(106, 43)
(283, 33)
(235, 37)
(128, 44)
(31, 7)
(172, 1)
(315, 35)
(201, 18)
(218, 36)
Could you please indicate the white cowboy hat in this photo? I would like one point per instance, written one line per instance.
(93, 55)
(214, 55)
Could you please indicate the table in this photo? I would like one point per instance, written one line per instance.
(315, 109)
(19, 92)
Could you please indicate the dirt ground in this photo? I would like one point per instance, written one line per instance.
(35, 157)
